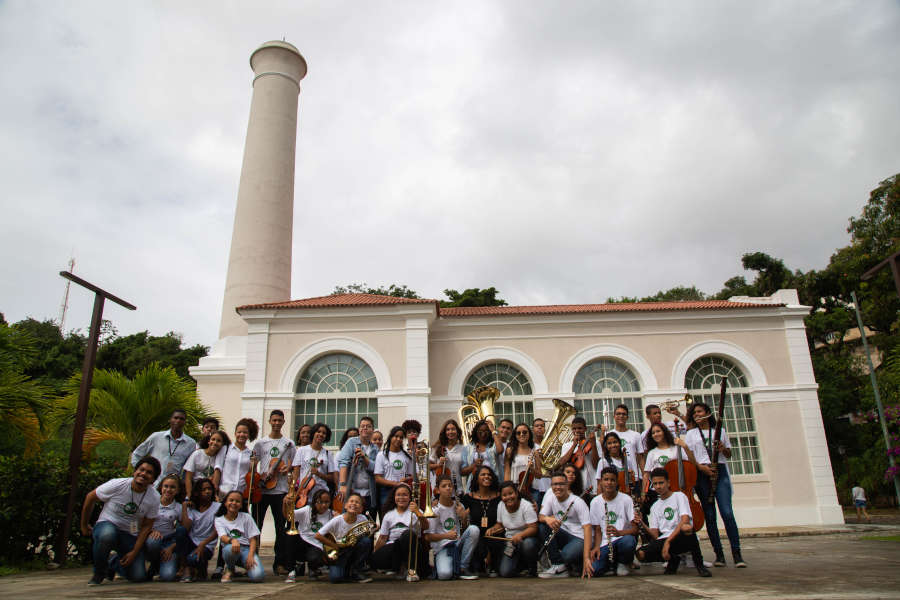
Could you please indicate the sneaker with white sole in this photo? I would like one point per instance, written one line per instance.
(622, 570)
(467, 574)
(291, 577)
(554, 571)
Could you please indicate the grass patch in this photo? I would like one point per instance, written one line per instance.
(882, 538)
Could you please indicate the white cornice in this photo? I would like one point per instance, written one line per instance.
(427, 311)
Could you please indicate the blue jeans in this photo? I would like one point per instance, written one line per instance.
(166, 569)
(537, 496)
(455, 556)
(350, 561)
(107, 537)
(187, 551)
(234, 559)
(624, 547)
(723, 499)
(565, 549)
(524, 554)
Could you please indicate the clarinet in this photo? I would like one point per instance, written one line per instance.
(553, 533)
(612, 549)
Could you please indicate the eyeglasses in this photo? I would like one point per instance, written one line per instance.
(521, 433)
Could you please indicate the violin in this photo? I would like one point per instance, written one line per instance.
(306, 487)
(683, 478)
(271, 478)
(442, 469)
(584, 448)
(626, 477)
(526, 477)
(252, 491)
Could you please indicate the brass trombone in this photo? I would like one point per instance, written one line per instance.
(420, 462)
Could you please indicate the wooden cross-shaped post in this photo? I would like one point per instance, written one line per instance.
(84, 394)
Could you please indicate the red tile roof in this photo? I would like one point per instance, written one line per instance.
(562, 309)
(336, 300)
(348, 300)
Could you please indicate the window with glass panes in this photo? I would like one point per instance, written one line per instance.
(603, 384)
(703, 382)
(516, 402)
(336, 389)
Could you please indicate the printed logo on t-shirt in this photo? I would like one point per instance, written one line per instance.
(130, 508)
(669, 513)
(235, 533)
(662, 460)
(397, 464)
(561, 515)
(208, 472)
(399, 526)
(449, 523)
(274, 451)
(315, 526)
(313, 462)
(611, 518)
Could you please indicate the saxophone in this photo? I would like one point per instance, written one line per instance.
(363, 529)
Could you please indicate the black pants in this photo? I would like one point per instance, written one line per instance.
(298, 550)
(395, 556)
(274, 502)
(681, 544)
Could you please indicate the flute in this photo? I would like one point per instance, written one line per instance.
(612, 549)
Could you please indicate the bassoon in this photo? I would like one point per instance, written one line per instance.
(714, 459)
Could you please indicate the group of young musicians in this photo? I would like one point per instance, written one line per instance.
(391, 503)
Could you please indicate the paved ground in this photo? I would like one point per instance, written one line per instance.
(833, 565)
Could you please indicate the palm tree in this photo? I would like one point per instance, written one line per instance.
(128, 410)
(23, 401)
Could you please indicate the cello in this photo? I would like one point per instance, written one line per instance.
(683, 478)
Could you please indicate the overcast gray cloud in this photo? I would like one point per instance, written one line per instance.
(563, 152)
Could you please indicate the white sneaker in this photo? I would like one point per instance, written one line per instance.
(291, 577)
(622, 570)
(554, 571)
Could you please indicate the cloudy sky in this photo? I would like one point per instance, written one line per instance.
(562, 152)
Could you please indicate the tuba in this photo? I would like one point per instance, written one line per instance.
(362, 529)
(558, 433)
(478, 406)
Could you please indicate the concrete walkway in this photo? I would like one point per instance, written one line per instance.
(784, 563)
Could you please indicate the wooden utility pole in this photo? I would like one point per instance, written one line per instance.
(84, 395)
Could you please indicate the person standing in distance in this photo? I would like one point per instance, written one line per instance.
(171, 448)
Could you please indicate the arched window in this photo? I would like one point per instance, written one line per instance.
(516, 402)
(703, 382)
(335, 389)
(603, 384)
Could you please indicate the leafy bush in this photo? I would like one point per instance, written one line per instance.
(33, 494)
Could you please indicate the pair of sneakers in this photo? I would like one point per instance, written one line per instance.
(554, 571)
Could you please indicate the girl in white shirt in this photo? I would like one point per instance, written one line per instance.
(400, 526)
(239, 536)
(305, 547)
(520, 455)
(161, 542)
(663, 447)
(448, 453)
(520, 522)
(612, 457)
(198, 516)
(393, 466)
(202, 463)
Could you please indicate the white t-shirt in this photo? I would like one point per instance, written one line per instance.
(445, 519)
(396, 466)
(519, 464)
(665, 515)
(167, 518)
(578, 516)
(124, 507)
(858, 494)
(266, 449)
(634, 442)
(233, 463)
(308, 527)
(338, 527)
(588, 472)
(394, 524)
(201, 465)
(659, 457)
(202, 523)
(307, 457)
(516, 522)
(617, 463)
(243, 528)
(620, 512)
(700, 442)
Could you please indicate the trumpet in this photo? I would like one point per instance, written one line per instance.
(671, 405)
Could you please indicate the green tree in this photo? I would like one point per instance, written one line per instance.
(132, 353)
(399, 291)
(128, 410)
(676, 294)
(23, 401)
(473, 297)
(58, 355)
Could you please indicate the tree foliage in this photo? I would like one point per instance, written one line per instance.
(23, 401)
(399, 291)
(473, 297)
(133, 353)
